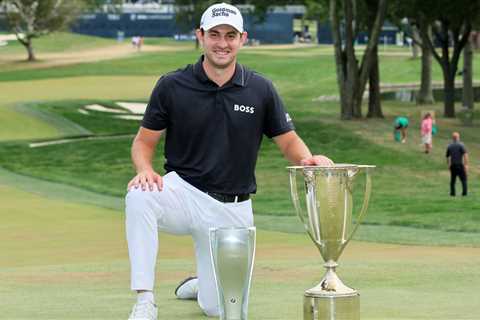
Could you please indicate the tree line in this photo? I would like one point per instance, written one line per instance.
(441, 28)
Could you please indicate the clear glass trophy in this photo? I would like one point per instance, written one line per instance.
(232, 252)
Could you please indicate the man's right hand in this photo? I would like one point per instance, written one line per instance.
(146, 179)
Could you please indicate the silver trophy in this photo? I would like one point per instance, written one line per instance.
(323, 199)
(232, 251)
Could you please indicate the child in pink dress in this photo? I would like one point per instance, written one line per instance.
(426, 131)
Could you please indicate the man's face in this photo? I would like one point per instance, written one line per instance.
(221, 45)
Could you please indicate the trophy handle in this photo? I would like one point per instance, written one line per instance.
(295, 197)
(294, 193)
(366, 198)
(313, 233)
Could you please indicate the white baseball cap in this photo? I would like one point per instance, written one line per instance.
(221, 13)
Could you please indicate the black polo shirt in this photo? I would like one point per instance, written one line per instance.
(456, 150)
(214, 133)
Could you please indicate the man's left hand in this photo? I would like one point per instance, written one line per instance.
(317, 160)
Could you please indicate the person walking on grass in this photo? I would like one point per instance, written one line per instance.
(457, 161)
(213, 115)
(426, 132)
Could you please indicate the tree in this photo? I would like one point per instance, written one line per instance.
(468, 93)
(421, 34)
(374, 102)
(468, 100)
(425, 94)
(364, 20)
(30, 19)
(404, 14)
(415, 36)
(352, 76)
(451, 23)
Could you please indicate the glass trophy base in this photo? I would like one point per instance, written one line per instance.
(331, 307)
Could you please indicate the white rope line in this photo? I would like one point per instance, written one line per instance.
(63, 141)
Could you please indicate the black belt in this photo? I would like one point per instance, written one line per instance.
(229, 197)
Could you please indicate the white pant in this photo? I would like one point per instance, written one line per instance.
(179, 208)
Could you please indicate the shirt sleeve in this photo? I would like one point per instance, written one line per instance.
(277, 120)
(156, 114)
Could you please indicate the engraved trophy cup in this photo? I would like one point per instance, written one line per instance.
(323, 199)
(232, 251)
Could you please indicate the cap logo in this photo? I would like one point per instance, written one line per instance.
(217, 12)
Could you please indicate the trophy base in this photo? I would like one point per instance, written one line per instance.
(331, 307)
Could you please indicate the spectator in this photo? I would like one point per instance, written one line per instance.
(426, 132)
(137, 42)
(457, 160)
(400, 129)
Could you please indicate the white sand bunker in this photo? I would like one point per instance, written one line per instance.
(97, 107)
(134, 107)
(135, 110)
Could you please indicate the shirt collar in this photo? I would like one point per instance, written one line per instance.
(237, 79)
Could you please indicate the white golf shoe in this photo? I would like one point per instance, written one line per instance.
(187, 289)
(145, 310)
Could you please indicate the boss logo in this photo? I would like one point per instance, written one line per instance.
(242, 108)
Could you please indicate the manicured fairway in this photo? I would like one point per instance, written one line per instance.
(77, 88)
(69, 261)
(17, 125)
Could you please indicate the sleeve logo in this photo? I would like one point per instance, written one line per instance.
(288, 118)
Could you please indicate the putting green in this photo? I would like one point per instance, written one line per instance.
(65, 258)
(21, 126)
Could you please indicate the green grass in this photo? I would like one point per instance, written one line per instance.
(93, 122)
(299, 81)
(63, 252)
(85, 164)
(289, 224)
(58, 42)
(410, 189)
(31, 127)
(154, 41)
(64, 260)
(85, 88)
(313, 69)
(58, 191)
